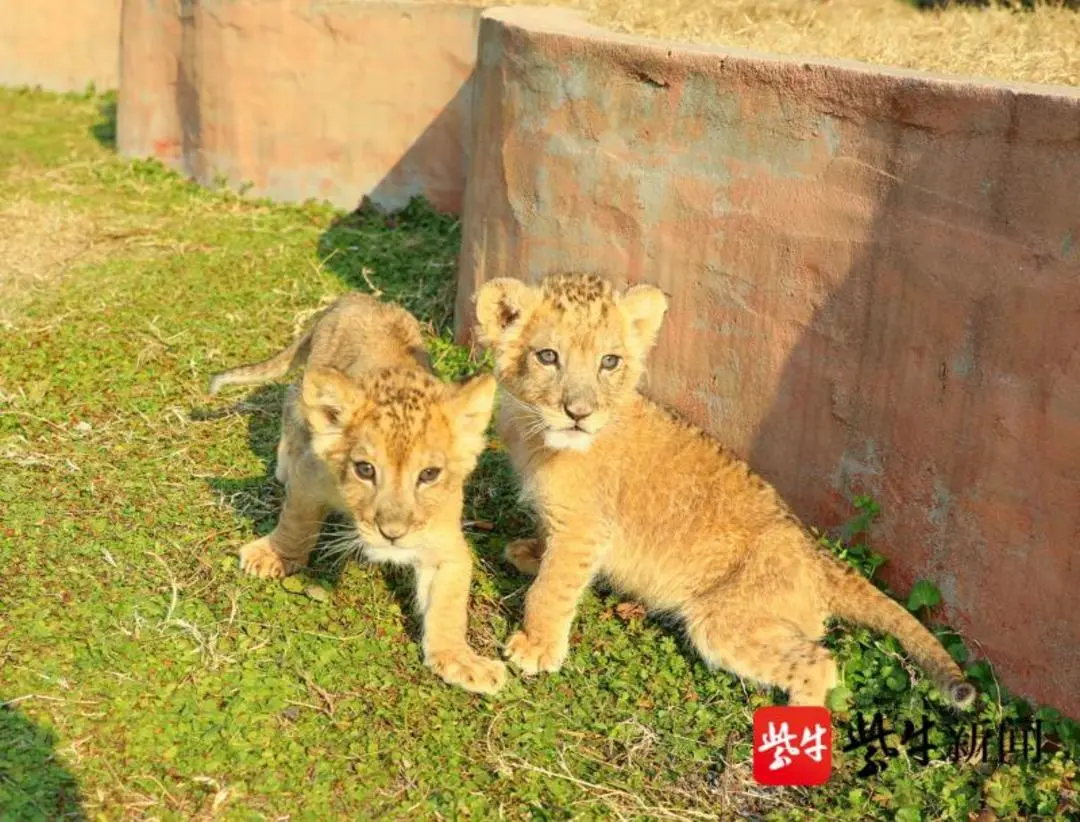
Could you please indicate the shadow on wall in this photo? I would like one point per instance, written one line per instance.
(186, 97)
(329, 163)
(943, 378)
(260, 111)
(841, 373)
(435, 165)
(33, 783)
(393, 243)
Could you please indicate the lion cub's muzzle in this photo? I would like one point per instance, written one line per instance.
(392, 527)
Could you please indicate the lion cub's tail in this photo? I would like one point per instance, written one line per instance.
(272, 369)
(855, 599)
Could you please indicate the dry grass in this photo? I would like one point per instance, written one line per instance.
(38, 243)
(42, 242)
(1042, 46)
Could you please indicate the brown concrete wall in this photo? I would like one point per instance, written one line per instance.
(874, 280)
(302, 98)
(60, 45)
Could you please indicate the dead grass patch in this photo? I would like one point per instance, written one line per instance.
(1040, 46)
(38, 243)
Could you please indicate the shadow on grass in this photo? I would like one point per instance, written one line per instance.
(33, 783)
(104, 130)
(259, 498)
(409, 258)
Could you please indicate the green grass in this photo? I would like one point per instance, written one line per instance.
(144, 676)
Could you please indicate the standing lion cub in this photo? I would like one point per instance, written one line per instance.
(626, 490)
(370, 432)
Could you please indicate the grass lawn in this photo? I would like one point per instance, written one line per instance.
(1002, 42)
(142, 676)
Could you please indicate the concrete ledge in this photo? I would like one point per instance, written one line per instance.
(302, 98)
(874, 281)
(60, 45)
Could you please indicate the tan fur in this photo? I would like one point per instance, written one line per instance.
(368, 397)
(655, 505)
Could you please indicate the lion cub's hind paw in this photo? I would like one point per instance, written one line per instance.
(470, 671)
(525, 555)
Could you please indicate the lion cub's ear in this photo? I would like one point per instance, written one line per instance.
(643, 306)
(469, 409)
(500, 304)
(327, 400)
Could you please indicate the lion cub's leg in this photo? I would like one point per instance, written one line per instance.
(525, 555)
(567, 566)
(292, 441)
(286, 549)
(762, 648)
(281, 470)
(442, 599)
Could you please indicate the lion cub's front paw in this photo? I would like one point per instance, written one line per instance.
(259, 559)
(533, 657)
(525, 555)
(469, 670)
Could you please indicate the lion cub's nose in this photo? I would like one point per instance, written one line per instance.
(577, 411)
(392, 530)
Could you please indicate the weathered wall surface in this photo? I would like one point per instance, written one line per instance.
(302, 98)
(874, 282)
(60, 45)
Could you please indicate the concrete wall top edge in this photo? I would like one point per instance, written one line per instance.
(573, 24)
(321, 6)
(327, 5)
(305, 8)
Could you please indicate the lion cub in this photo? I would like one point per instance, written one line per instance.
(370, 432)
(625, 489)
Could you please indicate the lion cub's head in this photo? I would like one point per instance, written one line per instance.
(399, 445)
(568, 351)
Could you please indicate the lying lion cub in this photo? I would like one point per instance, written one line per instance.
(370, 432)
(627, 490)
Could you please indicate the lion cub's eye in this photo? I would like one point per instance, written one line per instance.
(547, 356)
(364, 470)
(429, 475)
(609, 362)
